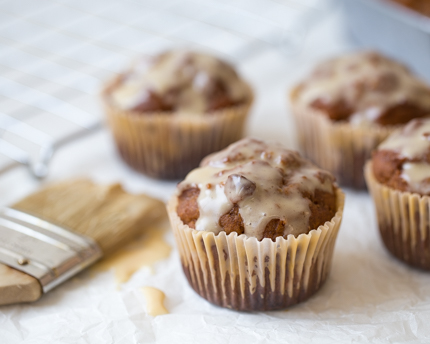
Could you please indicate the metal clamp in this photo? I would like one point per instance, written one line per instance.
(42, 249)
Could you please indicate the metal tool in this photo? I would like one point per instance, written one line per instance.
(41, 249)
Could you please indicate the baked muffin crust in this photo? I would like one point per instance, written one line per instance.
(258, 189)
(181, 82)
(365, 88)
(421, 6)
(402, 161)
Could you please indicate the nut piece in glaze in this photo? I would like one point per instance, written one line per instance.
(238, 188)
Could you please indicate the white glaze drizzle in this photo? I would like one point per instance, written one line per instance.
(180, 70)
(251, 161)
(417, 175)
(411, 141)
(355, 78)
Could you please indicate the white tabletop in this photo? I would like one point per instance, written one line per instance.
(368, 297)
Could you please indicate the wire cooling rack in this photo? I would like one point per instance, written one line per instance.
(55, 54)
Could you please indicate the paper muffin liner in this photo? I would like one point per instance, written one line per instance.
(403, 220)
(166, 145)
(340, 148)
(242, 273)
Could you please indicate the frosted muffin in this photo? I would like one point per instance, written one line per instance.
(398, 177)
(349, 104)
(167, 112)
(255, 226)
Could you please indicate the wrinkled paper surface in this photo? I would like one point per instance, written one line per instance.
(368, 297)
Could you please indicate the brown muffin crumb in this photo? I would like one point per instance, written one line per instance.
(232, 221)
(322, 206)
(274, 229)
(188, 209)
(336, 111)
(401, 113)
(402, 161)
(387, 168)
(421, 6)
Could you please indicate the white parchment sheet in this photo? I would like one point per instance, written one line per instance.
(369, 297)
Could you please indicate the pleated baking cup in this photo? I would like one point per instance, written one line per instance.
(338, 147)
(242, 273)
(167, 145)
(403, 220)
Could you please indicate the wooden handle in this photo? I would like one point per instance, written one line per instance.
(17, 287)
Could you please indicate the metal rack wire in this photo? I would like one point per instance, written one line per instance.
(54, 55)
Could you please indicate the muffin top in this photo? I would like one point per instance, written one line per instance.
(365, 88)
(421, 6)
(258, 189)
(178, 81)
(402, 161)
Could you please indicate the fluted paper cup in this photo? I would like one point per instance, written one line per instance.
(338, 147)
(242, 273)
(403, 220)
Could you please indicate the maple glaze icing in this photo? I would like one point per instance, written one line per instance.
(154, 301)
(191, 76)
(367, 83)
(412, 143)
(265, 180)
(417, 175)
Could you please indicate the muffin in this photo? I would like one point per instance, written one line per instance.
(168, 112)
(349, 104)
(420, 6)
(398, 177)
(256, 225)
